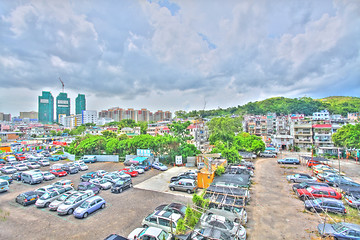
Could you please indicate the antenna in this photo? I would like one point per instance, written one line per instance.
(62, 83)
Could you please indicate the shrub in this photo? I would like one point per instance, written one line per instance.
(219, 171)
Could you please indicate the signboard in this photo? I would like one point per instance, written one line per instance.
(44, 100)
(178, 160)
(63, 102)
(143, 152)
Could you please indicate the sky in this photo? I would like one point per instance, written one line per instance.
(177, 55)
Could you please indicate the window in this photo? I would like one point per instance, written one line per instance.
(153, 220)
(164, 222)
(332, 194)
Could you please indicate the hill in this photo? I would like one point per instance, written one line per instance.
(281, 105)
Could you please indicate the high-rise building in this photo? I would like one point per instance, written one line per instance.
(89, 116)
(80, 104)
(62, 105)
(46, 108)
(31, 115)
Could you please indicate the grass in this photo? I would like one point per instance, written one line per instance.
(4, 215)
(284, 167)
(352, 216)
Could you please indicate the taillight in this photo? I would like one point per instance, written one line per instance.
(25, 200)
(345, 211)
(350, 201)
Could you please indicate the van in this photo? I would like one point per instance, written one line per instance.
(4, 185)
(88, 159)
(32, 177)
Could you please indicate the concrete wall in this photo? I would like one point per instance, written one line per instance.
(70, 156)
(106, 158)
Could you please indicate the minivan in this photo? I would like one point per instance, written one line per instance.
(31, 177)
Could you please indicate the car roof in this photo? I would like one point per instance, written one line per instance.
(176, 205)
(153, 231)
(187, 180)
(94, 198)
(169, 215)
(322, 188)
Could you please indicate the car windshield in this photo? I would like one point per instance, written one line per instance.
(37, 175)
(45, 196)
(119, 183)
(103, 181)
(317, 201)
(309, 189)
(82, 164)
(339, 227)
(70, 200)
(229, 224)
(3, 183)
(85, 204)
(63, 197)
(82, 187)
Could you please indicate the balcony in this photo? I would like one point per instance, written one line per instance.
(303, 141)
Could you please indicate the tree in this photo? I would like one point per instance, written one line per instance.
(347, 136)
(224, 129)
(179, 130)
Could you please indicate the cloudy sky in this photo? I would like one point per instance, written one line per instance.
(177, 54)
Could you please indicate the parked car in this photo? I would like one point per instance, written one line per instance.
(70, 169)
(140, 170)
(32, 177)
(4, 185)
(48, 176)
(177, 208)
(340, 230)
(81, 166)
(56, 166)
(223, 224)
(101, 183)
(159, 166)
(63, 183)
(186, 185)
(150, 233)
(21, 167)
(6, 178)
(83, 186)
(71, 203)
(113, 178)
(16, 176)
(304, 185)
(51, 195)
(27, 198)
(8, 169)
(300, 177)
(121, 185)
(54, 158)
(341, 181)
(44, 163)
(161, 219)
(353, 199)
(33, 165)
(209, 233)
(89, 159)
(40, 191)
(330, 174)
(235, 214)
(321, 168)
(311, 163)
(101, 173)
(267, 154)
(55, 204)
(87, 176)
(325, 205)
(129, 171)
(288, 161)
(59, 172)
(318, 192)
(182, 176)
(20, 157)
(89, 206)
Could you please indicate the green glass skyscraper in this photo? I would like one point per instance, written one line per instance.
(62, 105)
(46, 108)
(80, 104)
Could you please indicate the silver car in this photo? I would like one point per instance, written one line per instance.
(186, 185)
(48, 197)
(300, 177)
(70, 204)
(44, 163)
(81, 166)
(234, 214)
(21, 167)
(48, 176)
(8, 169)
(56, 203)
(267, 154)
(101, 183)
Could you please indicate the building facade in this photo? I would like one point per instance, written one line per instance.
(89, 116)
(30, 115)
(80, 104)
(46, 108)
(62, 105)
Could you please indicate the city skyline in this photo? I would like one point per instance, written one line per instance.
(177, 55)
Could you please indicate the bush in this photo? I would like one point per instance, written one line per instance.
(219, 171)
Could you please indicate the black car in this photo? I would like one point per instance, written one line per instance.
(27, 198)
(304, 185)
(121, 185)
(69, 169)
(182, 176)
(172, 207)
(16, 176)
(87, 176)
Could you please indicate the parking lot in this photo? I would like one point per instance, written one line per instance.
(122, 214)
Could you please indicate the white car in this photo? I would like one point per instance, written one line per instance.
(56, 166)
(101, 183)
(8, 169)
(81, 165)
(138, 169)
(48, 176)
(153, 233)
(159, 166)
(21, 167)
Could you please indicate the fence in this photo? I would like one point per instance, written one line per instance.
(70, 156)
(106, 158)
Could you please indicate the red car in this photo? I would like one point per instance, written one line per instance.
(58, 172)
(318, 192)
(20, 157)
(132, 173)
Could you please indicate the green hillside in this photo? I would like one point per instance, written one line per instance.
(281, 105)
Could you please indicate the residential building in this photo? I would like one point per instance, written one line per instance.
(89, 116)
(282, 141)
(62, 105)
(143, 115)
(353, 117)
(118, 114)
(70, 121)
(46, 108)
(303, 135)
(322, 135)
(30, 115)
(323, 115)
(80, 104)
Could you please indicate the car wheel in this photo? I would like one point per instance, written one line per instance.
(131, 185)
(120, 190)
(47, 204)
(145, 226)
(70, 211)
(312, 210)
(103, 205)
(85, 215)
(172, 189)
(293, 181)
(188, 191)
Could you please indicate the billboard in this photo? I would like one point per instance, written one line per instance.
(143, 152)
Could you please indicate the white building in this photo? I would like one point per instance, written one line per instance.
(89, 116)
(103, 121)
(323, 115)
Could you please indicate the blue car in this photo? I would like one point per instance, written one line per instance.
(289, 161)
(341, 230)
(54, 158)
(325, 205)
(89, 206)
